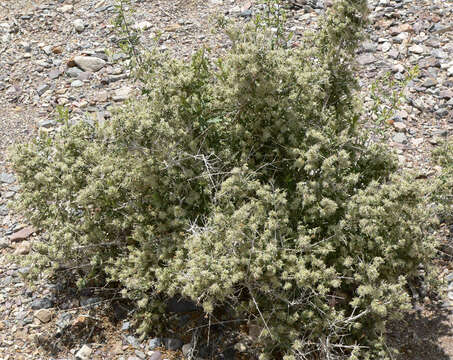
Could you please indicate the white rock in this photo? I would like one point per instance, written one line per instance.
(122, 94)
(417, 49)
(77, 83)
(418, 141)
(187, 350)
(399, 126)
(366, 59)
(79, 25)
(99, 4)
(398, 68)
(84, 353)
(386, 46)
(66, 8)
(401, 37)
(89, 63)
(400, 138)
(240, 347)
(142, 26)
(23, 248)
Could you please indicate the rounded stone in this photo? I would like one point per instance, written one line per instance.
(77, 83)
(89, 63)
(79, 25)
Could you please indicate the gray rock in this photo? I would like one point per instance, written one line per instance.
(54, 74)
(449, 277)
(154, 343)
(89, 63)
(104, 8)
(246, 13)
(366, 59)
(447, 304)
(173, 344)
(42, 89)
(369, 46)
(101, 56)
(87, 301)
(64, 320)
(440, 54)
(85, 75)
(132, 340)
(441, 133)
(156, 355)
(400, 138)
(21, 314)
(4, 243)
(187, 349)
(24, 271)
(429, 62)
(8, 194)
(446, 94)
(119, 56)
(46, 124)
(393, 53)
(73, 72)
(442, 112)
(140, 354)
(429, 82)
(84, 353)
(43, 303)
(126, 326)
(3, 210)
(7, 178)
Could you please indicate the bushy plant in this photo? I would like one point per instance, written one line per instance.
(243, 181)
(443, 193)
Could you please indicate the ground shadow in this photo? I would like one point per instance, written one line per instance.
(422, 335)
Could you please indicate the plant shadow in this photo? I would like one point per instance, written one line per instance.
(426, 335)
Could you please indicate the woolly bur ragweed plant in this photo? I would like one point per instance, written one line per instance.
(243, 182)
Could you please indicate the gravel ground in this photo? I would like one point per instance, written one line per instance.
(41, 40)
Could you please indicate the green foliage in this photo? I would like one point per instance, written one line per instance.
(387, 94)
(443, 193)
(243, 181)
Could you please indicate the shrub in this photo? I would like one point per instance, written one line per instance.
(443, 193)
(243, 181)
